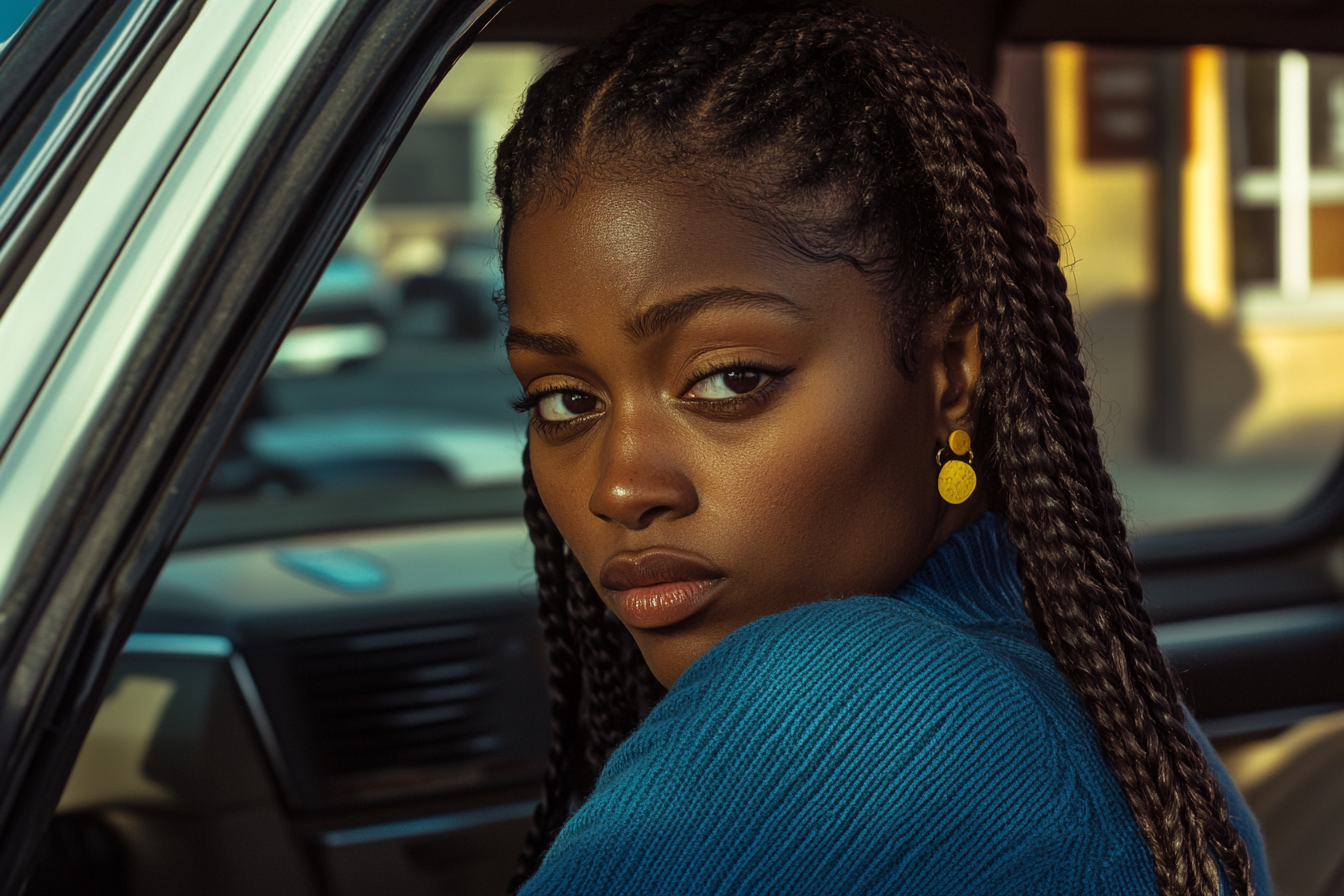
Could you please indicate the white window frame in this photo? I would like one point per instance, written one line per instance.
(1292, 188)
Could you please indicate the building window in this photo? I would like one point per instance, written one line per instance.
(1287, 122)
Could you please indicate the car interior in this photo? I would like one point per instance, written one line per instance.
(336, 685)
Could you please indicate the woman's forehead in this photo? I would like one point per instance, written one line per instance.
(634, 243)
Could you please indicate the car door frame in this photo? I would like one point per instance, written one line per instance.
(113, 514)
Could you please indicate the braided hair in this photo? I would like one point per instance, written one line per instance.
(855, 137)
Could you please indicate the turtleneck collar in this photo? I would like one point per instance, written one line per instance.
(972, 579)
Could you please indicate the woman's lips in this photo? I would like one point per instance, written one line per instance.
(660, 586)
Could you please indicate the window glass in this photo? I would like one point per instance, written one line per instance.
(1218, 400)
(388, 403)
(1198, 195)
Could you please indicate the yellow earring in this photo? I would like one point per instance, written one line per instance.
(956, 479)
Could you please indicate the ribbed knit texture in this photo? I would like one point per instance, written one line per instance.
(921, 743)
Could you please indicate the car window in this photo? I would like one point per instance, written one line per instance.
(389, 402)
(381, 686)
(1198, 196)
(1217, 399)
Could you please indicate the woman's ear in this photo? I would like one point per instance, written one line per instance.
(954, 343)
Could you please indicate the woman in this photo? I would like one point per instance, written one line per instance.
(808, 423)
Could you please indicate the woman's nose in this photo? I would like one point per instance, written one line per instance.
(641, 481)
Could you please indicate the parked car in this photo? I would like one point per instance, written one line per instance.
(275, 633)
(460, 296)
(345, 320)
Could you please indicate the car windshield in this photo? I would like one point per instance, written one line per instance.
(389, 402)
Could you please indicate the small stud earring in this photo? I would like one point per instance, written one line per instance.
(956, 478)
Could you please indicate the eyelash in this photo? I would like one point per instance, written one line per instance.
(526, 402)
(755, 397)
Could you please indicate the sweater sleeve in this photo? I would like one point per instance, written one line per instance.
(842, 747)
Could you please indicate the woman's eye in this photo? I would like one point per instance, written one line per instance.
(729, 384)
(559, 406)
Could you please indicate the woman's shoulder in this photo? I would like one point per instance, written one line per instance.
(879, 646)
(845, 746)
(868, 678)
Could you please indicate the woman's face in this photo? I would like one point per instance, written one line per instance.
(718, 429)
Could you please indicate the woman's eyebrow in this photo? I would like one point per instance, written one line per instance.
(542, 343)
(657, 318)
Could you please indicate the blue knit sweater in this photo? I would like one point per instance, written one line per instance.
(922, 743)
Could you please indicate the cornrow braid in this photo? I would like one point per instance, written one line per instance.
(858, 138)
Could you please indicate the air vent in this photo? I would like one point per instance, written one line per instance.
(397, 711)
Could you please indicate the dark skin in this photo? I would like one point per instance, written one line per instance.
(696, 387)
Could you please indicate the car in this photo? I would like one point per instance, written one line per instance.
(345, 320)
(266, 611)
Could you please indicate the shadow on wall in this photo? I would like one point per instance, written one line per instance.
(1219, 377)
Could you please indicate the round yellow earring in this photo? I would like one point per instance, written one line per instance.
(959, 441)
(956, 478)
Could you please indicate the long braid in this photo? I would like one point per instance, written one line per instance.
(1061, 501)
(596, 683)
(564, 678)
(1061, 506)
(612, 705)
(882, 150)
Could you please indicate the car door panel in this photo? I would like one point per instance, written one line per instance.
(387, 728)
(1258, 640)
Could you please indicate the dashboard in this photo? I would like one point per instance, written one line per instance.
(362, 713)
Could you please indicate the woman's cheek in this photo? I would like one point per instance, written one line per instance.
(562, 493)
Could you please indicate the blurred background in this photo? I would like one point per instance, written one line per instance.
(1198, 195)
(389, 401)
